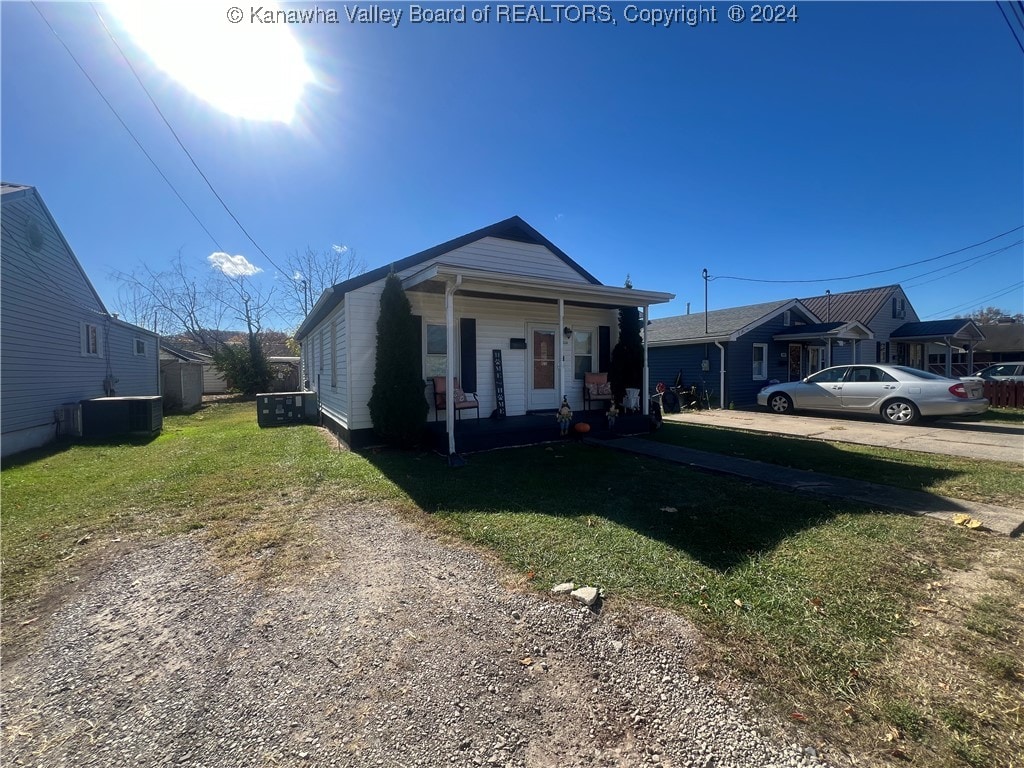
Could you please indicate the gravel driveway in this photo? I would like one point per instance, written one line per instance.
(412, 651)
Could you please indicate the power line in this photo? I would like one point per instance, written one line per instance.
(972, 302)
(182, 145)
(875, 272)
(125, 126)
(974, 260)
(1018, 14)
(1012, 30)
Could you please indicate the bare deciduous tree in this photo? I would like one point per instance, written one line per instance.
(313, 272)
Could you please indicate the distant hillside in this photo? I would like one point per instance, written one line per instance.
(274, 342)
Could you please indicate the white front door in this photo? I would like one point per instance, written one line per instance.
(542, 367)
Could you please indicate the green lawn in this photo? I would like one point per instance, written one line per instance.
(988, 481)
(824, 606)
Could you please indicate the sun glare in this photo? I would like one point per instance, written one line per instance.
(246, 69)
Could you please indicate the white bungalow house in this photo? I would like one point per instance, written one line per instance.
(58, 343)
(504, 290)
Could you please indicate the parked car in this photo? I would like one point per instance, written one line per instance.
(1000, 372)
(900, 395)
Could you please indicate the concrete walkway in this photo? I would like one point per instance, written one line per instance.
(999, 519)
(973, 439)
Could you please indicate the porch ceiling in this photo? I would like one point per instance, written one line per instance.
(499, 285)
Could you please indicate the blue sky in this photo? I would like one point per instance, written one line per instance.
(861, 137)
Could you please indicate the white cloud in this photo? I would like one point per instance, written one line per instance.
(340, 248)
(232, 266)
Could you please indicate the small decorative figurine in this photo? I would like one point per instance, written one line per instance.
(613, 414)
(564, 417)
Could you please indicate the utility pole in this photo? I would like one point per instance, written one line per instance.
(705, 275)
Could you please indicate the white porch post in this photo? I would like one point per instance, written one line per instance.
(449, 373)
(561, 352)
(645, 396)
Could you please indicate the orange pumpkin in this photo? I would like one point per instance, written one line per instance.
(582, 427)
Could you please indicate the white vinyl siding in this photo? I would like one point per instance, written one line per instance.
(497, 255)
(334, 353)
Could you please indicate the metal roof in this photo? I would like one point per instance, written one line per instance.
(861, 306)
(958, 328)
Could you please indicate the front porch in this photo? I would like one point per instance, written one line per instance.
(486, 434)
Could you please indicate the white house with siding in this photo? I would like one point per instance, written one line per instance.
(504, 287)
(58, 342)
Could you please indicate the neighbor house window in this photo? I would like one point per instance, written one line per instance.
(91, 340)
(899, 308)
(583, 353)
(140, 347)
(787, 318)
(436, 358)
(760, 362)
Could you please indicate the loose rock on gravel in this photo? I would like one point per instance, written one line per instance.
(412, 652)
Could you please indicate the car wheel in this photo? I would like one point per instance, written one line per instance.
(900, 412)
(781, 403)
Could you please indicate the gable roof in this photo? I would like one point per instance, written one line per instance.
(861, 306)
(513, 228)
(958, 328)
(10, 192)
(722, 324)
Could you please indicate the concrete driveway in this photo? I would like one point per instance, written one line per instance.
(972, 439)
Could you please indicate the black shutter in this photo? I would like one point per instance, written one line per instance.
(417, 322)
(604, 348)
(467, 355)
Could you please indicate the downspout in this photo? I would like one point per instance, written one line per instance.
(449, 374)
(647, 371)
(721, 376)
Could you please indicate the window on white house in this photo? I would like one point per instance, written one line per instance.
(91, 340)
(140, 347)
(760, 362)
(436, 357)
(583, 353)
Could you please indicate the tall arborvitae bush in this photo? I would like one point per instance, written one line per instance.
(626, 369)
(397, 405)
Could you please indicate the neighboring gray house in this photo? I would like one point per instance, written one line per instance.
(58, 342)
(730, 354)
(945, 347)
(504, 287)
(1003, 342)
(744, 348)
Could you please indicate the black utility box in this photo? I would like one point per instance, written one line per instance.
(275, 409)
(108, 416)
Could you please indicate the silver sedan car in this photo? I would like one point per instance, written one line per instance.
(900, 395)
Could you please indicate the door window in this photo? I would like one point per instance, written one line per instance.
(543, 359)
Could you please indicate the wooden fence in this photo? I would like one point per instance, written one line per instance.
(1005, 394)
